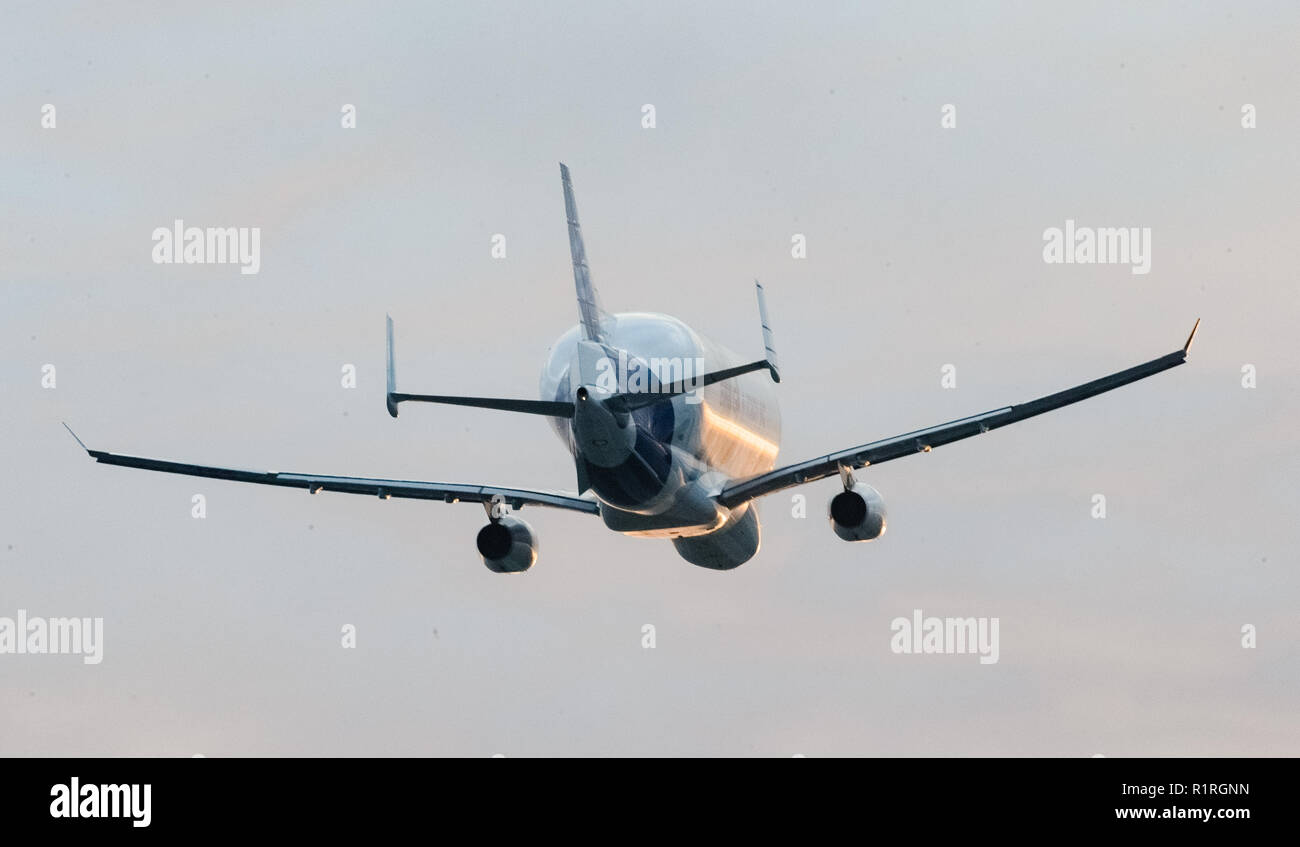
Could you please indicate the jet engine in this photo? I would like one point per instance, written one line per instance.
(507, 545)
(857, 513)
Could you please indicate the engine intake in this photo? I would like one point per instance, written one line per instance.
(507, 545)
(858, 513)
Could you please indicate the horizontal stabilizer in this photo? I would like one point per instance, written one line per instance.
(528, 407)
(636, 400)
(504, 404)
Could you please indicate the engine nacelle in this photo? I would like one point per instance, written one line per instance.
(858, 514)
(507, 545)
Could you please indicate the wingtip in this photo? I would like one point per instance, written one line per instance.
(74, 436)
(1188, 346)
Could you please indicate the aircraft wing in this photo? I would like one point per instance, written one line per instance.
(448, 492)
(922, 440)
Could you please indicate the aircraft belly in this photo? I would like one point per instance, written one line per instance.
(685, 507)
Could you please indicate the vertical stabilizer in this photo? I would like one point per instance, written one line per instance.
(594, 318)
(769, 341)
(392, 372)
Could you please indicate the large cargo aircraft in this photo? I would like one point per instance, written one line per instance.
(672, 436)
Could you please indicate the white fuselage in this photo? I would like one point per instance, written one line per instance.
(684, 448)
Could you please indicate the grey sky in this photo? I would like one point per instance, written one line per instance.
(1118, 636)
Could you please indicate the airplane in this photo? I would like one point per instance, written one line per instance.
(675, 454)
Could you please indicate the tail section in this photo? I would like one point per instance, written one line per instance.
(769, 342)
(392, 372)
(529, 407)
(594, 318)
(636, 400)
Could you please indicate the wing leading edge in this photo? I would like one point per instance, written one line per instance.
(448, 492)
(923, 440)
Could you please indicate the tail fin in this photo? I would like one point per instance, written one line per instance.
(594, 318)
(392, 372)
(769, 343)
